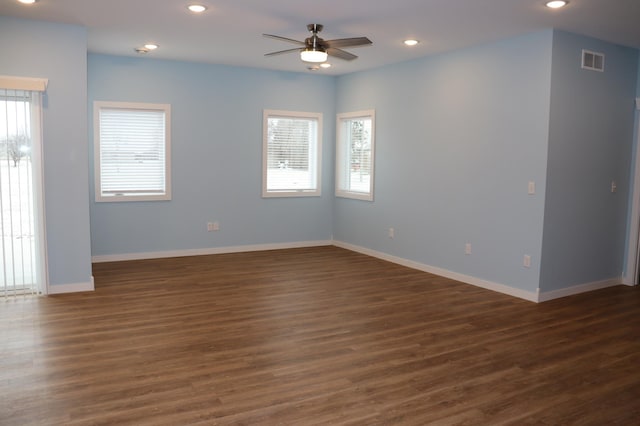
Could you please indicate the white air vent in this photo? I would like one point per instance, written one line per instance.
(592, 61)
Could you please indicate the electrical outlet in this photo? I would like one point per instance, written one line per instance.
(392, 233)
(531, 189)
(216, 226)
(213, 226)
(467, 248)
(614, 186)
(526, 261)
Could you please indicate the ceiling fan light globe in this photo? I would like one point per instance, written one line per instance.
(315, 56)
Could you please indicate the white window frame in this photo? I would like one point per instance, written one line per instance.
(131, 196)
(343, 157)
(314, 163)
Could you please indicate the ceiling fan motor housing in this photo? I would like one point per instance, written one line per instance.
(314, 42)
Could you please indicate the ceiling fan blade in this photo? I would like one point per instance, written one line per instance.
(290, 40)
(348, 42)
(280, 52)
(342, 54)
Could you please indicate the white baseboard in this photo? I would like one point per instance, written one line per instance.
(206, 251)
(478, 282)
(500, 288)
(71, 288)
(577, 289)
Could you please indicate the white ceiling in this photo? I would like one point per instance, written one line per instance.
(230, 31)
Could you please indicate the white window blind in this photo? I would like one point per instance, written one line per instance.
(291, 154)
(355, 155)
(132, 152)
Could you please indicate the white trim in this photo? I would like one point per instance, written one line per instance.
(577, 289)
(500, 288)
(207, 251)
(71, 288)
(23, 83)
(39, 211)
(634, 225)
(467, 279)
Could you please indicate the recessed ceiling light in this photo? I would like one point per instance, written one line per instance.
(556, 4)
(197, 8)
(411, 42)
(27, 1)
(325, 65)
(151, 46)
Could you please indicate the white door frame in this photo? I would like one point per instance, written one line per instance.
(633, 242)
(42, 263)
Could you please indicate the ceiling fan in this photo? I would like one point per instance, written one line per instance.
(315, 49)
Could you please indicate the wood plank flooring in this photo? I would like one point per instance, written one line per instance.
(313, 336)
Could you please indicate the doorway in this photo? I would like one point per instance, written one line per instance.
(22, 245)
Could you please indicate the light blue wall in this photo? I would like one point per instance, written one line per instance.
(216, 157)
(458, 138)
(590, 144)
(59, 53)
(459, 135)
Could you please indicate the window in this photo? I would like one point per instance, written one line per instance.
(291, 154)
(132, 151)
(355, 155)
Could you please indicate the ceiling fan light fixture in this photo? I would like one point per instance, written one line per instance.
(556, 4)
(411, 42)
(27, 1)
(313, 55)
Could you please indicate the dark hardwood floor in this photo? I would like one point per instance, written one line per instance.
(313, 337)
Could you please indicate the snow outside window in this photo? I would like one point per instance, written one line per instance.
(291, 153)
(355, 155)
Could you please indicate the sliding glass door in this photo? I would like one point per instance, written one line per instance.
(22, 258)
